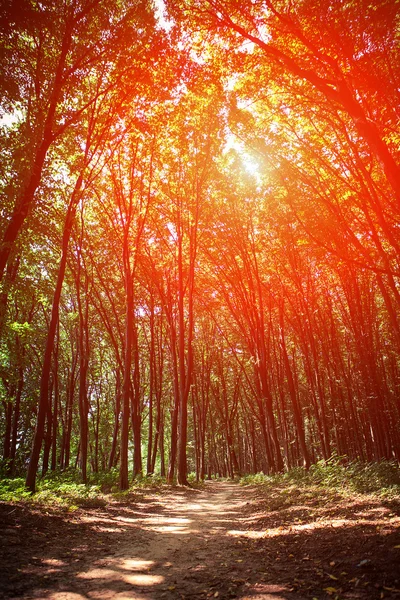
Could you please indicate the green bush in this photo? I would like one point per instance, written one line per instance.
(338, 473)
(106, 480)
(64, 488)
(56, 488)
(12, 490)
(256, 479)
(148, 481)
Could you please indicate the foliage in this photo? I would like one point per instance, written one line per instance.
(13, 490)
(336, 474)
(65, 489)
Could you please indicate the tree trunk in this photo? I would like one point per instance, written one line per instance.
(117, 411)
(293, 396)
(47, 361)
(126, 388)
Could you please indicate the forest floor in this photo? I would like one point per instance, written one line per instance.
(223, 541)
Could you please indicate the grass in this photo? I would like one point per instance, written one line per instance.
(337, 475)
(64, 489)
(334, 478)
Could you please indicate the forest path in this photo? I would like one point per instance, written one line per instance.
(224, 541)
(184, 544)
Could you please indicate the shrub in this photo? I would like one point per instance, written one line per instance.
(337, 472)
(12, 490)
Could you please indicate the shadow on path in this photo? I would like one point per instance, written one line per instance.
(190, 544)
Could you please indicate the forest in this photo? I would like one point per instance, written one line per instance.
(199, 236)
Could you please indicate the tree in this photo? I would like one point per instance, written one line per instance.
(52, 87)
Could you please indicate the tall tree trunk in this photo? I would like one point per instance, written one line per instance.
(127, 385)
(47, 360)
(135, 409)
(69, 410)
(55, 409)
(8, 411)
(293, 396)
(16, 415)
(175, 409)
(49, 426)
(84, 349)
(152, 369)
(117, 412)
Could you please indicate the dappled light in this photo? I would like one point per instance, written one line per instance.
(138, 579)
(223, 542)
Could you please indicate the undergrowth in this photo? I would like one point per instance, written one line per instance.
(64, 489)
(334, 476)
(337, 474)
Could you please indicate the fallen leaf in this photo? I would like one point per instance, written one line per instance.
(332, 577)
(330, 590)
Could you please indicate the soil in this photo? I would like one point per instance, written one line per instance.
(224, 541)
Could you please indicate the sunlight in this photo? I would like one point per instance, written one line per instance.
(142, 579)
(136, 564)
(167, 520)
(294, 528)
(195, 506)
(109, 574)
(162, 21)
(254, 535)
(11, 118)
(251, 165)
(67, 596)
(98, 574)
(173, 529)
(53, 562)
(176, 525)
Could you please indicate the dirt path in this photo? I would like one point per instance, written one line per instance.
(183, 544)
(219, 542)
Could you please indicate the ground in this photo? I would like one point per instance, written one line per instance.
(223, 541)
